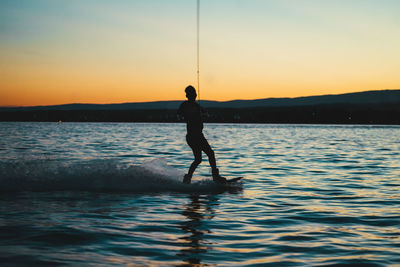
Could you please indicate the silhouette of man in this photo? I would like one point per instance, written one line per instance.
(192, 112)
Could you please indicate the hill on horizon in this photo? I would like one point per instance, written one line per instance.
(357, 98)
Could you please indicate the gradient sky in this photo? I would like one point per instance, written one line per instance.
(94, 51)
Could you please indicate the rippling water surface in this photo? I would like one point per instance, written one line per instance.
(110, 194)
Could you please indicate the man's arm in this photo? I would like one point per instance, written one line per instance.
(203, 112)
(181, 112)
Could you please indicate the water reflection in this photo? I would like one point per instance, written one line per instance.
(199, 211)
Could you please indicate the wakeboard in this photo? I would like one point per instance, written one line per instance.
(229, 181)
(233, 180)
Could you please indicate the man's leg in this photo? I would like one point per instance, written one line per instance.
(197, 160)
(205, 146)
(211, 156)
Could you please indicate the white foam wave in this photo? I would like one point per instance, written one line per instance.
(95, 175)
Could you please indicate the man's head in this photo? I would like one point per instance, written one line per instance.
(191, 93)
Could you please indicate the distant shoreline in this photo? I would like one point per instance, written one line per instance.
(320, 114)
(370, 107)
(391, 96)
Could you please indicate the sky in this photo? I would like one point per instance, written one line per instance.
(97, 51)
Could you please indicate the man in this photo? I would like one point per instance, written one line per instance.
(191, 111)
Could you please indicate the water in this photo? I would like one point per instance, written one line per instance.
(110, 194)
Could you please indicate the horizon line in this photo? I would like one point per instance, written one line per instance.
(157, 101)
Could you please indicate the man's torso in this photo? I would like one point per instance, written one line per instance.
(191, 111)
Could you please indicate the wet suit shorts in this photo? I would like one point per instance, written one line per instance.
(198, 143)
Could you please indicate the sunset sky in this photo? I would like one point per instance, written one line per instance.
(94, 51)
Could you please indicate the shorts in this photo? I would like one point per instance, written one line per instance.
(198, 143)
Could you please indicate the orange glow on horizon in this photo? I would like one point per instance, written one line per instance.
(136, 51)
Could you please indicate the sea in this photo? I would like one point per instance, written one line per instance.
(111, 194)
